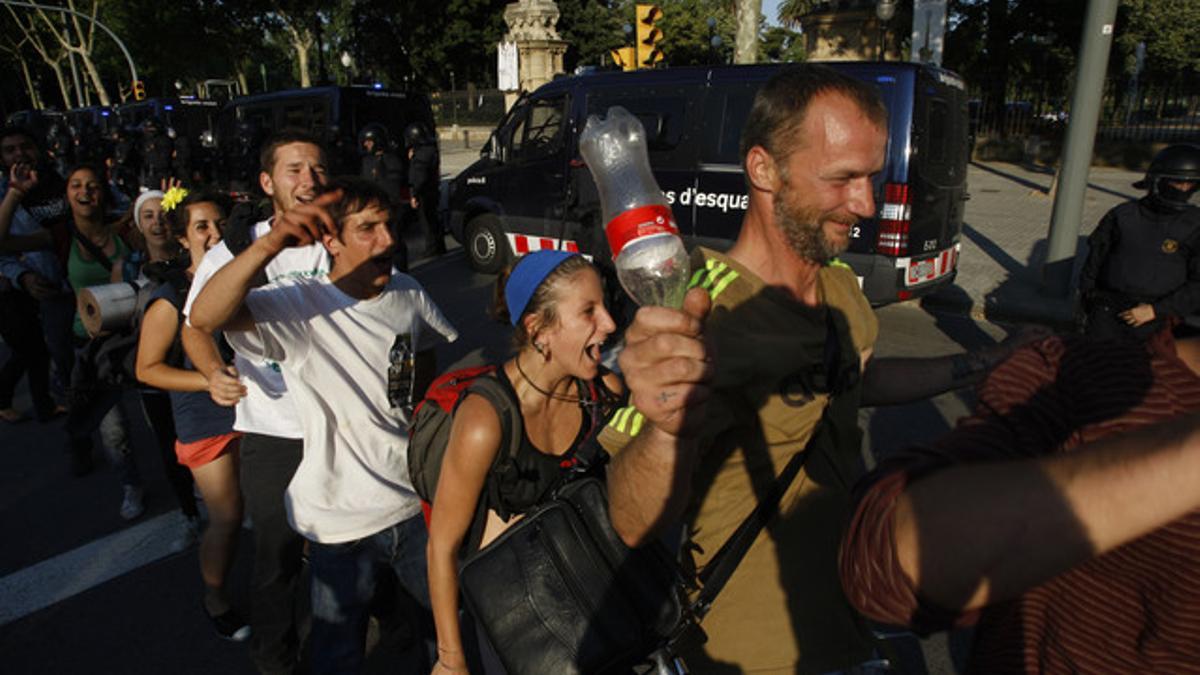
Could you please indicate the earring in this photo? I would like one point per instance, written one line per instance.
(539, 348)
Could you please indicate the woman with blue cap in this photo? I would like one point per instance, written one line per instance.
(555, 302)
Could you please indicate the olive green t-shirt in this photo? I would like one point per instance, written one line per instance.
(783, 609)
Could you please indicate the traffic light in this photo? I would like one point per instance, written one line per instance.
(623, 58)
(139, 90)
(648, 36)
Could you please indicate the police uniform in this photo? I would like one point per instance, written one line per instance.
(424, 175)
(1141, 253)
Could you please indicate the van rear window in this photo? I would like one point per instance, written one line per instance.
(938, 125)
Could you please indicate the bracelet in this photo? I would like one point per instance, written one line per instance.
(450, 668)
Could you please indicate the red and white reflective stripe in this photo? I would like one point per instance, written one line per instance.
(925, 269)
(522, 244)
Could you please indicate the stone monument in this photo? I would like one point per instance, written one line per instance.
(531, 25)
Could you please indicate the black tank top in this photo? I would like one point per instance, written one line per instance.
(530, 477)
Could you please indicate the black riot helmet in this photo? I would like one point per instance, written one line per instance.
(375, 132)
(1180, 162)
(414, 135)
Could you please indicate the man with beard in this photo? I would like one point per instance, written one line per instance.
(723, 398)
(38, 309)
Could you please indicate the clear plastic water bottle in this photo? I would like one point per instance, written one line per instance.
(651, 261)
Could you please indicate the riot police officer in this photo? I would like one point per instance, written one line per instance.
(123, 162)
(381, 165)
(1143, 266)
(156, 150)
(424, 177)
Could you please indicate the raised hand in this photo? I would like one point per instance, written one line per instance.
(304, 224)
(668, 366)
(23, 177)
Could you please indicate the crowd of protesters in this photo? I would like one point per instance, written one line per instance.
(282, 352)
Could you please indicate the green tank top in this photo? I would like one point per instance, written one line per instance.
(83, 273)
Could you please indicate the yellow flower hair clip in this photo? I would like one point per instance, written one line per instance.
(172, 198)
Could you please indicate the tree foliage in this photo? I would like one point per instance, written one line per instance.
(1170, 30)
(1016, 48)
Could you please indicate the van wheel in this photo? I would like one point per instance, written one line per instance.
(487, 247)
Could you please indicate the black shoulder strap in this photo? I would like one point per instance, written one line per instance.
(717, 572)
(91, 247)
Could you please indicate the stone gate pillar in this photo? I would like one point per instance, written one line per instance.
(531, 25)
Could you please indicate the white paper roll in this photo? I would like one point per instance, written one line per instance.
(103, 309)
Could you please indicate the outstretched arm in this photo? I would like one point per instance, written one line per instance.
(974, 535)
(896, 380)
(668, 369)
(221, 305)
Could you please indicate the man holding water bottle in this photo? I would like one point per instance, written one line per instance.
(771, 357)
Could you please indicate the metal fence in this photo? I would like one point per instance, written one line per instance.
(1151, 114)
(473, 107)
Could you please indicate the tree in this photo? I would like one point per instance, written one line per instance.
(81, 42)
(300, 20)
(591, 28)
(781, 45)
(14, 49)
(749, 22)
(44, 46)
(686, 33)
(1170, 30)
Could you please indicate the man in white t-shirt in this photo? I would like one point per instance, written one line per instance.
(293, 171)
(356, 351)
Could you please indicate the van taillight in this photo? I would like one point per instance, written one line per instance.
(895, 215)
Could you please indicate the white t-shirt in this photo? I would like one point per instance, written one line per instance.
(349, 369)
(267, 408)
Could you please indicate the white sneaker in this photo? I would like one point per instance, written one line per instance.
(131, 506)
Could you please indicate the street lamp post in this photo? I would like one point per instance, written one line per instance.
(884, 11)
(714, 40)
(454, 99)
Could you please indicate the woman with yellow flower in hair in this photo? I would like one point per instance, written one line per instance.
(151, 256)
(206, 443)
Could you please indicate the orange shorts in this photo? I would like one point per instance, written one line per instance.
(198, 453)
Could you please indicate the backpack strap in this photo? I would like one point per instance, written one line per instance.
(512, 428)
(507, 407)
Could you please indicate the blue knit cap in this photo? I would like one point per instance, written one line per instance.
(529, 273)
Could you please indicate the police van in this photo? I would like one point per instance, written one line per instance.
(333, 114)
(530, 189)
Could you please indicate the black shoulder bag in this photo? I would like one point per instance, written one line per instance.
(560, 592)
